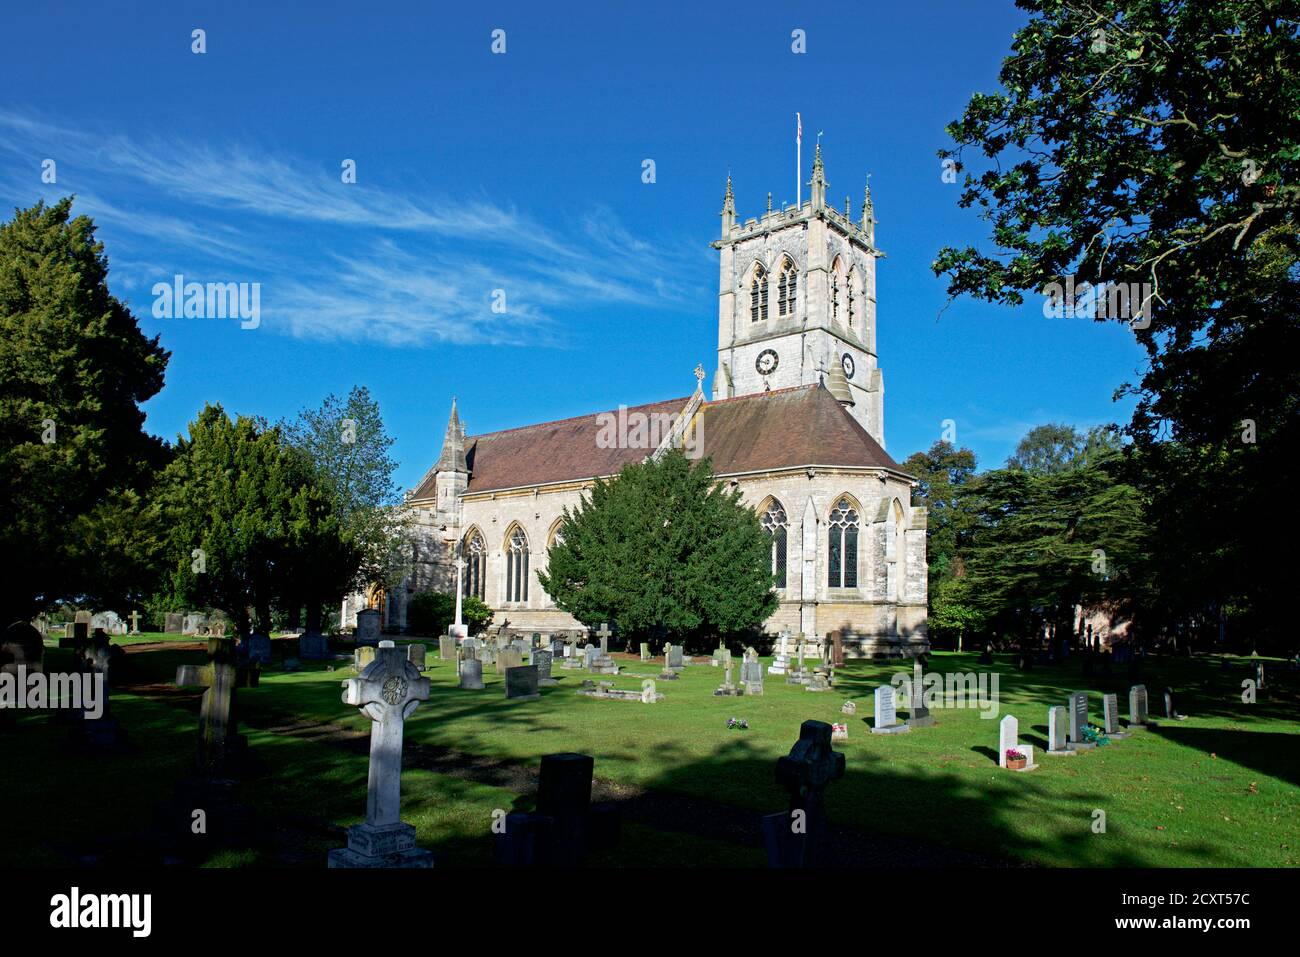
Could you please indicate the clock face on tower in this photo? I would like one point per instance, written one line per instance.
(847, 362)
(766, 362)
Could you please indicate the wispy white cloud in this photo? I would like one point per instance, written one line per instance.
(361, 261)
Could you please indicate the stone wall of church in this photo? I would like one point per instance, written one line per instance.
(884, 614)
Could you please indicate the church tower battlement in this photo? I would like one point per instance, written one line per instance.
(797, 302)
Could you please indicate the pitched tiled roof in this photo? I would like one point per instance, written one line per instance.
(804, 425)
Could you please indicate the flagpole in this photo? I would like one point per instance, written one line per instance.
(798, 161)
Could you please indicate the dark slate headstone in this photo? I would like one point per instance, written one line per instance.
(22, 645)
(542, 659)
(259, 649)
(804, 773)
(521, 683)
(313, 646)
(1078, 708)
(564, 794)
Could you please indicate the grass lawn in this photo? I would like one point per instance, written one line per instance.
(1219, 789)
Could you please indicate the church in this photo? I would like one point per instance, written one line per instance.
(794, 420)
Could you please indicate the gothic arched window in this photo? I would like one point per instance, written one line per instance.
(517, 566)
(775, 524)
(786, 288)
(842, 555)
(837, 290)
(758, 294)
(857, 299)
(474, 551)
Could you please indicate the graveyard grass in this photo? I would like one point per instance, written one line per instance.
(1219, 789)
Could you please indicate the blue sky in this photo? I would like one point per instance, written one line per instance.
(520, 172)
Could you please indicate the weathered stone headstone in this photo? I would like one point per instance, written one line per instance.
(728, 689)
(135, 622)
(645, 651)
(521, 683)
(259, 649)
(313, 646)
(1170, 711)
(367, 632)
(849, 707)
(173, 622)
(446, 647)
(22, 645)
(542, 659)
(781, 659)
(836, 639)
(471, 673)
(751, 673)
(1056, 727)
(886, 713)
(648, 694)
(1078, 705)
(104, 733)
(675, 657)
(362, 657)
(387, 692)
(417, 654)
(508, 658)
(221, 747)
(918, 715)
(1137, 706)
(194, 623)
(804, 773)
(1110, 716)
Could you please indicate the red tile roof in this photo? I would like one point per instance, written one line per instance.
(789, 428)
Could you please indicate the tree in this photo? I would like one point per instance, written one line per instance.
(429, 613)
(663, 546)
(76, 368)
(1052, 538)
(247, 521)
(1157, 142)
(346, 448)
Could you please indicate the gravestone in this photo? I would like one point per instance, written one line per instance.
(1110, 716)
(918, 715)
(521, 683)
(567, 824)
(417, 654)
(259, 649)
(1170, 711)
(1008, 739)
(648, 693)
(109, 622)
(675, 658)
(471, 673)
(849, 707)
(508, 658)
(1137, 707)
(387, 692)
(836, 639)
(173, 622)
(313, 646)
(22, 645)
(818, 680)
(751, 673)
(1078, 705)
(446, 647)
(362, 657)
(367, 631)
(645, 651)
(1259, 674)
(135, 623)
(886, 713)
(104, 733)
(193, 623)
(542, 660)
(221, 747)
(804, 773)
(839, 732)
(1056, 727)
(728, 689)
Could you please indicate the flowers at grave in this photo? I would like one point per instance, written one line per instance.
(1095, 735)
(737, 724)
(1014, 755)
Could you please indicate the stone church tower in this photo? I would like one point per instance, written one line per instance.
(797, 302)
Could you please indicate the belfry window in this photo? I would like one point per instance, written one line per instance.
(775, 524)
(517, 566)
(758, 295)
(786, 290)
(842, 548)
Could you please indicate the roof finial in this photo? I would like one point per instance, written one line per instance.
(868, 211)
(769, 202)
